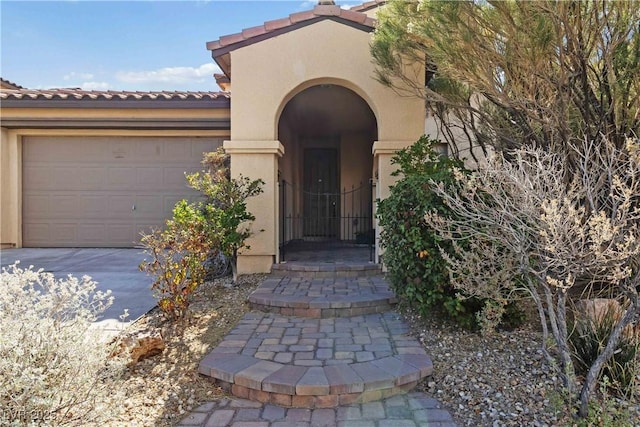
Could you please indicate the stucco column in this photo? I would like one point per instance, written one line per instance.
(383, 152)
(259, 160)
(10, 189)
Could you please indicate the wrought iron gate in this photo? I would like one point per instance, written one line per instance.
(344, 218)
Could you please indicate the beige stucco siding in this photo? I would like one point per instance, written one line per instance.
(259, 160)
(373, 12)
(10, 184)
(267, 74)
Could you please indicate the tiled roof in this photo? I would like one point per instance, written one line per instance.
(79, 94)
(368, 5)
(294, 18)
(11, 85)
(226, 44)
(223, 81)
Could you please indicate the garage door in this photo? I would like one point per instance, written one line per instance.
(103, 191)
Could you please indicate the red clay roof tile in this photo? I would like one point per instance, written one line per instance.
(79, 94)
(353, 16)
(220, 48)
(276, 24)
(214, 45)
(247, 33)
(370, 22)
(231, 39)
(368, 5)
(327, 10)
(302, 16)
(9, 84)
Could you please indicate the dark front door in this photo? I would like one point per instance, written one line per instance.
(321, 193)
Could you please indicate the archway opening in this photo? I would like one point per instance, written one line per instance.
(326, 192)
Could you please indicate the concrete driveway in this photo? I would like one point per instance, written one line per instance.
(114, 269)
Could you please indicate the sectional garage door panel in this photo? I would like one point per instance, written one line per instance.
(103, 191)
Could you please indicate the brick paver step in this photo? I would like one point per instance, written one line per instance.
(306, 362)
(323, 298)
(411, 410)
(328, 270)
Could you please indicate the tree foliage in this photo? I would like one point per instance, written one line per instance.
(552, 87)
(518, 224)
(217, 225)
(416, 269)
(177, 258)
(225, 207)
(507, 74)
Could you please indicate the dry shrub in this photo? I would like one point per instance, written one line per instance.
(54, 368)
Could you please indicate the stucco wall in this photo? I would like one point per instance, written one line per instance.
(467, 151)
(10, 186)
(267, 74)
(355, 149)
(259, 160)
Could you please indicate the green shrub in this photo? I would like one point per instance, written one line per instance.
(55, 368)
(225, 210)
(588, 339)
(199, 232)
(416, 270)
(178, 255)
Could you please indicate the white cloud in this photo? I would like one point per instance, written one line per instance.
(349, 5)
(95, 86)
(80, 76)
(307, 4)
(173, 75)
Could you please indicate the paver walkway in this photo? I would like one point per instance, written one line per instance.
(324, 351)
(323, 297)
(409, 410)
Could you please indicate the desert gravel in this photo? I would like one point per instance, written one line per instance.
(498, 380)
(501, 379)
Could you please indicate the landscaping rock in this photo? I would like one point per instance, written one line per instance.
(142, 346)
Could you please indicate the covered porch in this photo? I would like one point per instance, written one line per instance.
(317, 128)
(326, 187)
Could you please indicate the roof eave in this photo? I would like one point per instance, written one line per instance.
(9, 84)
(222, 56)
(367, 6)
(118, 123)
(224, 62)
(42, 102)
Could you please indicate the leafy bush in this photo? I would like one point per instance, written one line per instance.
(412, 256)
(178, 259)
(54, 369)
(199, 235)
(225, 209)
(588, 339)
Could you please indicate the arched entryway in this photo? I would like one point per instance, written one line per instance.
(326, 191)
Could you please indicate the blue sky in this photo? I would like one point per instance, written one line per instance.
(124, 45)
